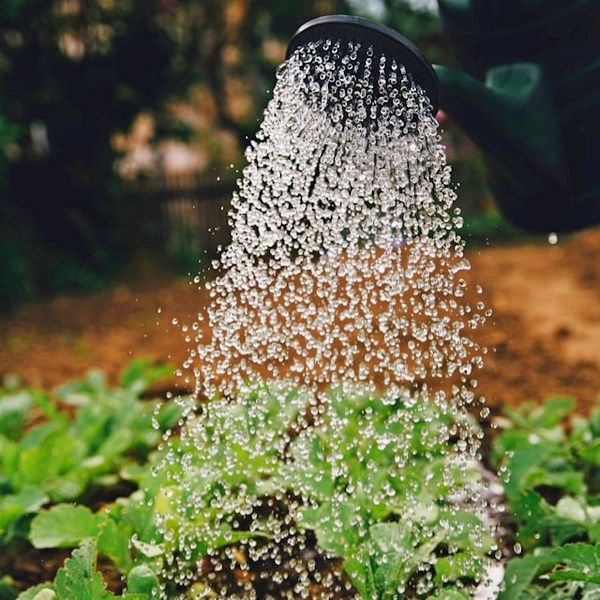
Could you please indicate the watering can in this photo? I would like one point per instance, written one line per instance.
(528, 94)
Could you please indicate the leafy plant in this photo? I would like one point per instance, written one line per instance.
(62, 459)
(388, 516)
(339, 476)
(327, 468)
(387, 519)
(79, 579)
(552, 459)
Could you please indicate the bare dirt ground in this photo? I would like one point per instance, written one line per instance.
(543, 338)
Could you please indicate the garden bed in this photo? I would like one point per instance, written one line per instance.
(543, 341)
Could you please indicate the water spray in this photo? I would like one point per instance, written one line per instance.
(365, 34)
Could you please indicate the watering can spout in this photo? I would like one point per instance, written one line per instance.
(528, 95)
(512, 118)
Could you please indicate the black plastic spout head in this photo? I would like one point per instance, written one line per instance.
(382, 39)
(528, 101)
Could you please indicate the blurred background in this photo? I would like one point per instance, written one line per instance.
(123, 125)
(122, 130)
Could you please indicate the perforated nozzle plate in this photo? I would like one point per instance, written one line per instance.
(383, 39)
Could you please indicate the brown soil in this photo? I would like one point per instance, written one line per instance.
(544, 336)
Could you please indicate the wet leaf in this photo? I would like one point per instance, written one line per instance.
(114, 538)
(521, 572)
(79, 578)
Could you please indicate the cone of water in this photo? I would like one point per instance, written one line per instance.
(334, 420)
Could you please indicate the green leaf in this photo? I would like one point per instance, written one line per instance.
(83, 393)
(93, 425)
(556, 476)
(449, 594)
(525, 458)
(72, 395)
(590, 592)
(142, 580)
(360, 572)
(589, 452)
(63, 526)
(390, 538)
(13, 408)
(581, 563)
(28, 500)
(48, 454)
(7, 589)
(168, 414)
(43, 591)
(143, 372)
(554, 410)
(46, 403)
(541, 522)
(96, 381)
(595, 420)
(148, 550)
(134, 472)
(113, 542)
(46, 594)
(594, 533)
(9, 458)
(116, 443)
(570, 508)
(78, 579)
(138, 513)
(396, 555)
(546, 417)
(521, 572)
(453, 567)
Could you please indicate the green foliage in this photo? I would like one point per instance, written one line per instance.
(79, 579)
(14, 405)
(401, 509)
(112, 528)
(553, 483)
(264, 446)
(60, 459)
(254, 458)
(64, 525)
(553, 493)
(565, 572)
(71, 77)
(355, 496)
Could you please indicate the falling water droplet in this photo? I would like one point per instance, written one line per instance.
(517, 548)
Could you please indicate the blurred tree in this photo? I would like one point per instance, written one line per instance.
(233, 46)
(71, 73)
(74, 72)
(418, 20)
